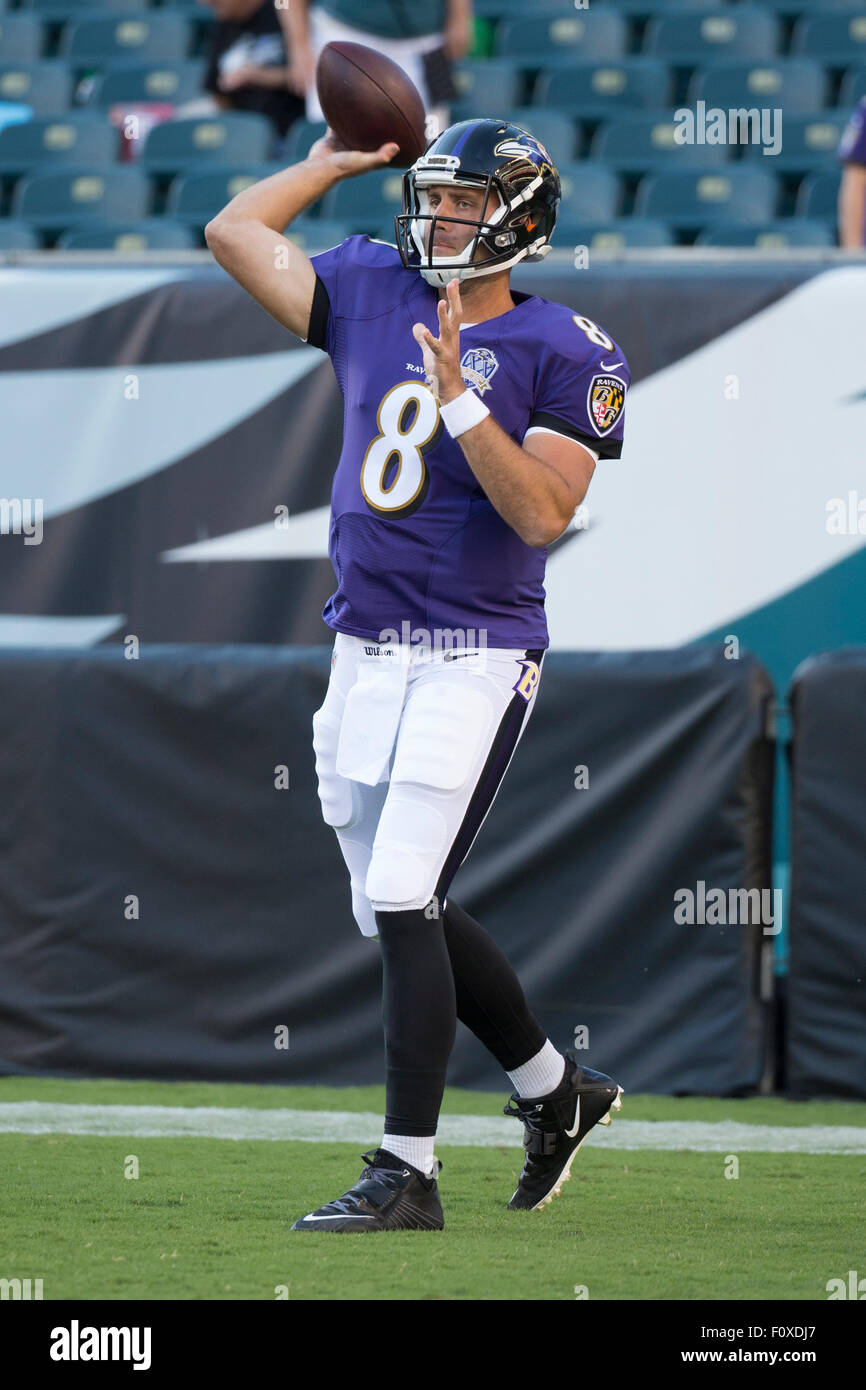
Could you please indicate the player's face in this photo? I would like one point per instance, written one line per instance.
(449, 238)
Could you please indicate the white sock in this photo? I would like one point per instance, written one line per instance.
(541, 1074)
(412, 1148)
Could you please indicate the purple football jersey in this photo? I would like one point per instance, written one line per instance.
(415, 543)
(852, 146)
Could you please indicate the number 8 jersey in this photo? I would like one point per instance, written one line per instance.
(415, 543)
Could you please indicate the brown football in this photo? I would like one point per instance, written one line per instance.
(367, 100)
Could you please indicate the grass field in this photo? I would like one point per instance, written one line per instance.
(209, 1218)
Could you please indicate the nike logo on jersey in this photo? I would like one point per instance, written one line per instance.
(609, 366)
(573, 1132)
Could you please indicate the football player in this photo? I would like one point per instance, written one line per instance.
(474, 419)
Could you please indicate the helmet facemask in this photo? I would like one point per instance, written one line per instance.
(498, 240)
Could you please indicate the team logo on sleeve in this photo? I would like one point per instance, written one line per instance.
(477, 367)
(605, 402)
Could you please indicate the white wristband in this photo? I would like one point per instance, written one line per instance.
(462, 413)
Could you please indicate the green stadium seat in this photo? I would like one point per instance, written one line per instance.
(691, 198)
(818, 195)
(648, 9)
(302, 135)
(148, 36)
(794, 85)
(731, 31)
(148, 234)
(366, 202)
(773, 236)
(232, 137)
(611, 235)
(792, 9)
(591, 91)
(128, 82)
(853, 87)
(198, 197)
(20, 38)
(61, 197)
(45, 86)
(541, 39)
(488, 88)
(558, 132)
(590, 192)
(71, 9)
(18, 236)
(644, 141)
(808, 141)
(320, 234)
(74, 137)
(837, 40)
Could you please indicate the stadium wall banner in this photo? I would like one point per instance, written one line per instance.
(173, 906)
(826, 992)
(179, 447)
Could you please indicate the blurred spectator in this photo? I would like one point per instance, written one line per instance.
(852, 190)
(247, 67)
(423, 36)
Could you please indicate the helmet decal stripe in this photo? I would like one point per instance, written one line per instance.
(465, 136)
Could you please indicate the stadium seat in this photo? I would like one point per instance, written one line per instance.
(557, 131)
(727, 32)
(130, 81)
(643, 142)
(366, 202)
(14, 113)
(20, 38)
(837, 40)
(489, 88)
(71, 9)
(74, 137)
(45, 86)
(593, 90)
(818, 195)
(320, 234)
(853, 87)
(610, 235)
(772, 236)
(60, 198)
(808, 141)
(690, 198)
(198, 197)
(590, 192)
(17, 236)
(149, 234)
(540, 39)
(232, 137)
(302, 135)
(149, 36)
(794, 85)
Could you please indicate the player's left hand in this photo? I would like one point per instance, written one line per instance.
(442, 354)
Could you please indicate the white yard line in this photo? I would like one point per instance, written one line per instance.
(365, 1128)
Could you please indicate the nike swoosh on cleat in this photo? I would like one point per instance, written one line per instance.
(572, 1132)
(339, 1216)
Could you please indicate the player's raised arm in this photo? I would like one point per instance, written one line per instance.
(247, 239)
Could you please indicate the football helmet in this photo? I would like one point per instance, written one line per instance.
(521, 199)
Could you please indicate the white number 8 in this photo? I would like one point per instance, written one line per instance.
(593, 332)
(409, 425)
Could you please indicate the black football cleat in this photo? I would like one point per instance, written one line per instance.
(556, 1126)
(390, 1195)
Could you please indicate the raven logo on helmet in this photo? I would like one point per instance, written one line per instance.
(521, 200)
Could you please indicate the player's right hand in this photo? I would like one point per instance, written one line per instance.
(345, 162)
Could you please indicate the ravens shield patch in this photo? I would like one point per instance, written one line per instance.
(605, 402)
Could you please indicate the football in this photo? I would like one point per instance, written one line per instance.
(367, 100)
